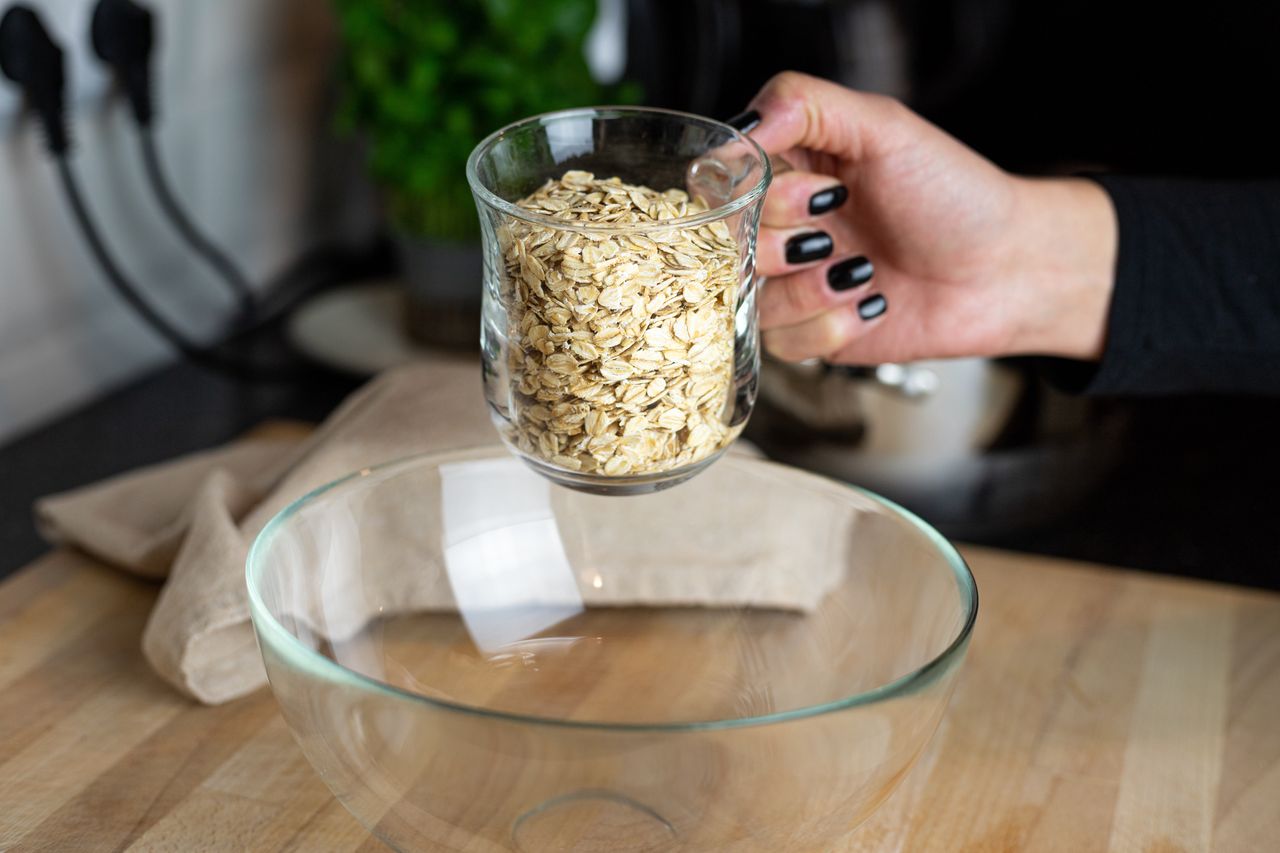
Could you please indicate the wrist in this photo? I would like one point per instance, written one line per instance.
(1063, 267)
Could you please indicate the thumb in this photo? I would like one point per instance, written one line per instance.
(799, 111)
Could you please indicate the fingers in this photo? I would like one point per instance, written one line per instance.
(798, 197)
(820, 312)
(780, 251)
(797, 232)
(794, 298)
(830, 335)
(819, 302)
(799, 111)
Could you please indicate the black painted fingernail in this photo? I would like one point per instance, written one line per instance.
(810, 246)
(849, 273)
(872, 307)
(827, 200)
(745, 122)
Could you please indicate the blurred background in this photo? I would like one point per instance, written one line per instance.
(316, 150)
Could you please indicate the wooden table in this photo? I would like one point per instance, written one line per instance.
(1099, 709)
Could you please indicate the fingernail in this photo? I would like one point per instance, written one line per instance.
(849, 273)
(811, 246)
(745, 122)
(872, 307)
(827, 200)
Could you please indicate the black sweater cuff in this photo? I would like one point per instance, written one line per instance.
(1196, 303)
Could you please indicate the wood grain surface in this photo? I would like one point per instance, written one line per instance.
(1099, 710)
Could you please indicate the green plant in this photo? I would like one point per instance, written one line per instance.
(425, 80)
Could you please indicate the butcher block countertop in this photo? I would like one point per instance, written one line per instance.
(1099, 709)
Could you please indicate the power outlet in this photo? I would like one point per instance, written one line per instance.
(88, 80)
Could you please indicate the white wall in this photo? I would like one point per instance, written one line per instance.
(243, 93)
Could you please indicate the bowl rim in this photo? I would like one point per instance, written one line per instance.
(492, 199)
(329, 669)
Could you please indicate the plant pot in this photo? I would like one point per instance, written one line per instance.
(443, 285)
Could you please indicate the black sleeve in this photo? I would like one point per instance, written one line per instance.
(1196, 306)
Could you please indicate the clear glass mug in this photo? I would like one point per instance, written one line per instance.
(620, 357)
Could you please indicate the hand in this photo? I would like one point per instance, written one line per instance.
(888, 240)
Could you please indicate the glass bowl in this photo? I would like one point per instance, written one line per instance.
(619, 333)
(474, 658)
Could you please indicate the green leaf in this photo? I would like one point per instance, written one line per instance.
(424, 80)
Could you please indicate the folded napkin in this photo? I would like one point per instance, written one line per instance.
(191, 522)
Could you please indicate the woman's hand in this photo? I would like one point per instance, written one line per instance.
(888, 240)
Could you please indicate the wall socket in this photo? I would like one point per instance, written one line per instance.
(88, 80)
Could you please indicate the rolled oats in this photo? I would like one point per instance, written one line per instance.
(621, 344)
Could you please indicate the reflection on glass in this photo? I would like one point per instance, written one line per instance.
(506, 564)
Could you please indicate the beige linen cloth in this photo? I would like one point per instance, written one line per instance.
(191, 522)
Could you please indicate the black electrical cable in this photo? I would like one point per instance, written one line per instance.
(122, 34)
(122, 286)
(193, 351)
(217, 259)
(35, 62)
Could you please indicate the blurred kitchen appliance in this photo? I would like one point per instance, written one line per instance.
(980, 448)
